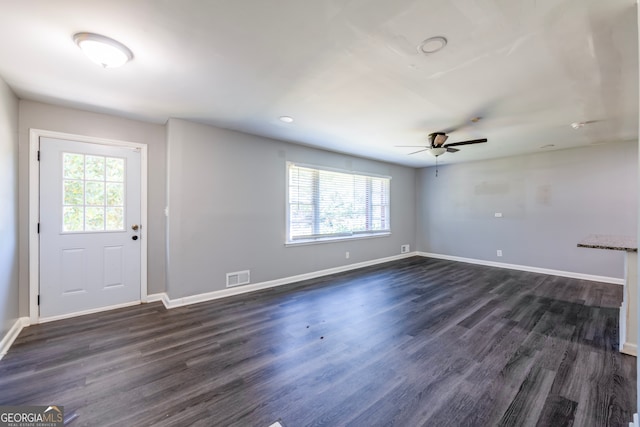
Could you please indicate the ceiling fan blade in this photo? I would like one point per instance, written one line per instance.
(452, 150)
(456, 127)
(473, 141)
(479, 113)
(419, 151)
(473, 119)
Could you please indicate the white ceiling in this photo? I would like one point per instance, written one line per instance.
(348, 71)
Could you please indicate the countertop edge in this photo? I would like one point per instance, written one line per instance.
(610, 242)
(612, 248)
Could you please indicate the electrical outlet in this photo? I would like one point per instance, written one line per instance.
(405, 249)
(499, 252)
(346, 255)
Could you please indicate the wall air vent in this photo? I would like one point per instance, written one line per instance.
(238, 278)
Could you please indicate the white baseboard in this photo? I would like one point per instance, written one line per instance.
(223, 293)
(193, 299)
(635, 422)
(82, 313)
(12, 334)
(570, 274)
(630, 349)
(162, 296)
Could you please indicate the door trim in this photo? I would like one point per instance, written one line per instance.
(34, 210)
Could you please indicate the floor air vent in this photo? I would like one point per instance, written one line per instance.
(238, 278)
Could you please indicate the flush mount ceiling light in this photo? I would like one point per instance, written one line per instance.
(286, 119)
(432, 45)
(102, 50)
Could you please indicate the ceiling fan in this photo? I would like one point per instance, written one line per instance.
(438, 147)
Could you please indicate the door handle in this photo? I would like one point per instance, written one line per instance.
(134, 237)
(135, 227)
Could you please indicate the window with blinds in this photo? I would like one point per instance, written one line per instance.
(327, 204)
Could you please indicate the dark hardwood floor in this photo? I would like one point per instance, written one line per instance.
(417, 342)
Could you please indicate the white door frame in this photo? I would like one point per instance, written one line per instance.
(34, 209)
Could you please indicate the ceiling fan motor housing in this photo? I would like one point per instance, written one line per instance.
(437, 139)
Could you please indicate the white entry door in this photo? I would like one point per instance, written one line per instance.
(90, 256)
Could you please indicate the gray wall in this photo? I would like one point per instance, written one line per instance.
(550, 201)
(226, 196)
(8, 208)
(226, 193)
(54, 118)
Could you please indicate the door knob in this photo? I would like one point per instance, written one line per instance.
(135, 227)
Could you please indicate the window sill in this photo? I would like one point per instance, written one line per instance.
(318, 240)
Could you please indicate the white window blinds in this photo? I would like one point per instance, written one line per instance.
(327, 204)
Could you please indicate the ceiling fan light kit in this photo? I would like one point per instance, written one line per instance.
(436, 151)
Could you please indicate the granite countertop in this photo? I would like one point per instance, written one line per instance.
(610, 241)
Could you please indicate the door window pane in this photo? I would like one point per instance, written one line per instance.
(94, 219)
(73, 218)
(94, 169)
(115, 169)
(73, 192)
(73, 166)
(95, 193)
(115, 218)
(115, 194)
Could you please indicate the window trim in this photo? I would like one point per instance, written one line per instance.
(339, 236)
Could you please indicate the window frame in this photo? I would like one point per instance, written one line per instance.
(328, 238)
(84, 204)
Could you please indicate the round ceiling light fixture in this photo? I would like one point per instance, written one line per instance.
(432, 45)
(104, 51)
(437, 151)
(286, 119)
